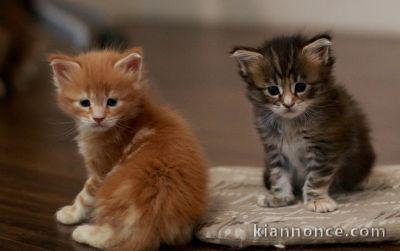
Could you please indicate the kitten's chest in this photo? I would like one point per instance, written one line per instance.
(89, 150)
(99, 158)
(293, 147)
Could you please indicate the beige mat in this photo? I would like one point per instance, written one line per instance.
(235, 219)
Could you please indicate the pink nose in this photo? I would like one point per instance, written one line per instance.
(98, 120)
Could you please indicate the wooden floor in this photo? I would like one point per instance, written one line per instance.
(191, 71)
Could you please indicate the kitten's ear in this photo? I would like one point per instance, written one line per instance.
(246, 57)
(318, 50)
(63, 67)
(131, 63)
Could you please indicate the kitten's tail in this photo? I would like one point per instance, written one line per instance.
(155, 227)
(143, 236)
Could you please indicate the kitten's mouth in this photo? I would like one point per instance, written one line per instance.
(99, 127)
(290, 111)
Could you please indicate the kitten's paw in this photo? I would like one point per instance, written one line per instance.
(268, 200)
(95, 236)
(69, 215)
(323, 205)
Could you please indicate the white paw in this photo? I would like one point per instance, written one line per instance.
(268, 200)
(95, 236)
(89, 234)
(69, 215)
(261, 200)
(81, 233)
(321, 205)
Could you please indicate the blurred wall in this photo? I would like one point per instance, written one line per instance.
(355, 16)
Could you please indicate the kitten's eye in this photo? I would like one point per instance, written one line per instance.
(273, 90)
(85, 102)
(300, 87)
(111, 102)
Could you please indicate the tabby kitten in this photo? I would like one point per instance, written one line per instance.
(146, 175)
(314, 134)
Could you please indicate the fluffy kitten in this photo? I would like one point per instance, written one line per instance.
(146, 175)
(314, 134)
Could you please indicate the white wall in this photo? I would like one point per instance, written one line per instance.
(355, 16)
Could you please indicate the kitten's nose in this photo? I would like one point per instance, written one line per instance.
(287, 101)
(98, 120)
(288, 105)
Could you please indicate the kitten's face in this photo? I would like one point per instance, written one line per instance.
(99, 89)
(285, 76)
(289, 96)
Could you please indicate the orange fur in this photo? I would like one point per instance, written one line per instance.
(152, 173)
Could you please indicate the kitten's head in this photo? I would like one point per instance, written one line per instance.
(99, 89)
(287, 74)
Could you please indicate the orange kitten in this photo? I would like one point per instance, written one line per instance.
(146, 175)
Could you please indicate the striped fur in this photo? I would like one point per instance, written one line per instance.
(314, 140)
(83, 204)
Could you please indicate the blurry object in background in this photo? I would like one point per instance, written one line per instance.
(82, 26)
(66, 25)
(17, 27)
(109, 37)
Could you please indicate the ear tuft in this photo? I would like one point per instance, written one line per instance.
(319, 50)
(63, 67)
(245, 58)
(132, 63)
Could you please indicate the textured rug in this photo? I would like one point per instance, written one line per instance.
(235, 219)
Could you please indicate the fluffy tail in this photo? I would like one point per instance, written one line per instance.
(142, 238)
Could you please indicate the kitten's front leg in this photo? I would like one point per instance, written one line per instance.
(82, 206)
(316, 187)
(279, 191)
